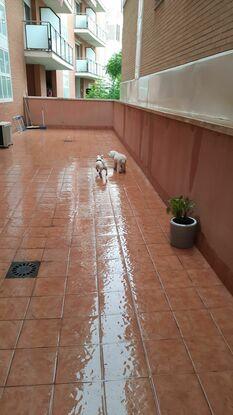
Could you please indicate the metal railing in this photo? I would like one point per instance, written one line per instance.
(83, 21)
(42, 36)
(89, 66)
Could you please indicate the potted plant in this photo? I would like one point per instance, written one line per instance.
(182, 226)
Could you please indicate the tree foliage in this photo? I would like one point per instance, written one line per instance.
(111, 89)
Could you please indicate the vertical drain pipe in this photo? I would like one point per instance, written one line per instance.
(139, 39)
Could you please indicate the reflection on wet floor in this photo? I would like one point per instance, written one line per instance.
(117, 322)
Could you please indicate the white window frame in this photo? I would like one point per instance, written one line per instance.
(5, 49)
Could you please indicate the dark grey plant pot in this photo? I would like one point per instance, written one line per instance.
(182, 236)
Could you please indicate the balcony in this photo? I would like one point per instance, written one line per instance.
(60, 6)
(86, 68)
(88, 30)
(96, 5)
(45, 46)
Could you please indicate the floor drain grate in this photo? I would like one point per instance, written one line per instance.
(24, 269)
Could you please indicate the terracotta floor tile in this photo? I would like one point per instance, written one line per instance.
(58, 242)
(196, 323)
(210, 353)
(81, 285)
(83, 305)
(223, 316)
(203, 277)
(79, 331)
(158, 325)
(168, 262)
(175, 279)
(7, 254)
(9, 331)
(117, 302)
(45, 307)
(158, 250)
(82, 253)
(56, 254)
(28, 255)
(82, 269)
(168, 356)
(219, 389)
(26, 400)
(17, 287)
(4, 266)
(229, 340)
(216, 296)
(150, 300)
(32, 367)
(39, 333)
(148, 281)
(158, 237)
(129, 361)
(52, 269)
(180, 394)
(78, 398)
(128, 397)
(193, 261)
(78, 364)
(36, 232)
(119, 327)
(5, 361)
(136, 253)
(10, 242)
(13, 308)
(184, 299)
(137, 269)
(49, 286)
(30, 242)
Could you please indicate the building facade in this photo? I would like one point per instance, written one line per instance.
(47, 48)
(177, 56)
(90, 38)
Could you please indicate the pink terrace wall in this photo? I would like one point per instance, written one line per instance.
(73, 113)
(181, 158)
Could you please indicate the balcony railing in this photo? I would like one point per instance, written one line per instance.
(89, 66)
(83, 21)
(42, 36)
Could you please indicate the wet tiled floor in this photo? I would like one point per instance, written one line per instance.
(117, 321)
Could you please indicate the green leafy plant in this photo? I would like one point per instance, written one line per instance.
(181, 207)
(108, 89)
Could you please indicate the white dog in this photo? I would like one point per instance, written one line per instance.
(119, 160)
(100, 165)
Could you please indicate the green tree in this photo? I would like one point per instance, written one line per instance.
(113, 67)
(108, 90)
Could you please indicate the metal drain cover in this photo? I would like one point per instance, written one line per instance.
(24, 269)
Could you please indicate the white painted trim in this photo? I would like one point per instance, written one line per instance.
(202, 88)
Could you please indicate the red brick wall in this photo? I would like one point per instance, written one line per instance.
(177, 32)
(14, 11)
(129, 39)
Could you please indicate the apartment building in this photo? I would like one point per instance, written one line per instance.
(177, 56)
(90, 37)
(47, 48)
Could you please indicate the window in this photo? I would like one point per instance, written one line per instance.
(77, 8)
(66, 84)
(5, 73)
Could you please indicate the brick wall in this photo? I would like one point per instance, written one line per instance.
(177, 32)
(129, 39)
(14, 11)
